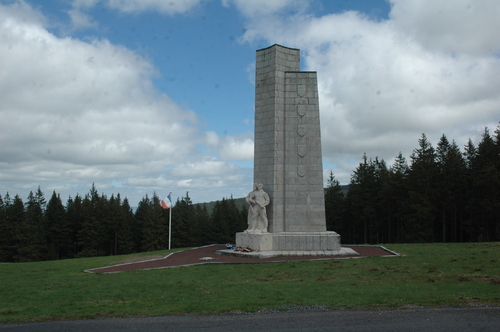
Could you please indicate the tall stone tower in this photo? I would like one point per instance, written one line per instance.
(288, 159)
(288, 141)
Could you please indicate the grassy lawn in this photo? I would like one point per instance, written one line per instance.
(426, 275)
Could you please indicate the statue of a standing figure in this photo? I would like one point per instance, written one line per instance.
(257, 216)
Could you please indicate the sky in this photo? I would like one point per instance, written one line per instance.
(153, 96)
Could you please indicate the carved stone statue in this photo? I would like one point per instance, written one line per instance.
(257, 216)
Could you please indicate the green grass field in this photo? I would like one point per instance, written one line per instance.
(426, 275)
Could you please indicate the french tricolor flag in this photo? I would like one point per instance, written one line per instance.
(167, 203)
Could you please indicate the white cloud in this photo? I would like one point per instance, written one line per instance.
(460, 26)
(256, 8)
(84, 3)
(79, 113)
(383, 83)
(207, 174)
(237, 149)
(89, 103)
(204, 168)
(169, 7)
(212, 139)
(21, 11)
(80, 20)
(230, 148)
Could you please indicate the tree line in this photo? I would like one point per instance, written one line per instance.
(441, 195)
(97, 225)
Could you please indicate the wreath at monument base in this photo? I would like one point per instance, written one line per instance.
(242, 249)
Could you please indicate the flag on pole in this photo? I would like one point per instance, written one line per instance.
(167, 203)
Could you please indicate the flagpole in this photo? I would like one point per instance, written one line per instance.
(170, 223)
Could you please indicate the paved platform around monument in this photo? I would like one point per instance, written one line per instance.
(269, 254)
(207, 255)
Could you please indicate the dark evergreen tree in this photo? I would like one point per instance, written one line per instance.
(3, 231)
(126, 243)
(243, 224)
(334, 206)
(381, 224)
(361, 207)
(394, 199)
(484, 200)
(106, 229)
(183, 220)
(57, 229)
(89, 232)
(421, 217)
(227, 220)
(497, 183)
(201, 232)
(7, 231)
(237, 220)
(33, 246)
(140, 216)
(75, 219)
(471, 233)
(154, 224)
(16, 217)
(451, 186)
(364, 201)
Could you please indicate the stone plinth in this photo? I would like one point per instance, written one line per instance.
(306, 241)
(290, 241)
(255, 242)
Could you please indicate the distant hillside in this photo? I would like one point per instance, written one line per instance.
(240, 202)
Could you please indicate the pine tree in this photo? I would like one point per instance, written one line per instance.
(114, 206)
(33, 246)
(153, 223)
(218, 221)
(6, 231)
(126, 243)
(381, 222)
(421, 217)
(89, 232)
(363, 197)
(484, 203)
(334, 205)
(140, 218)
(237, 219)
(394, 197)
(451, 185)
(75, 218)
(182, 222)
(56, 228)
(497, 184)
(201, 234)
(16, 217)
(243, 219)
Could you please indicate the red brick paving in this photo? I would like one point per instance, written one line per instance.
(192, 257)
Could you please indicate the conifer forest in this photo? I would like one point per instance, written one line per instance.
(442, 193)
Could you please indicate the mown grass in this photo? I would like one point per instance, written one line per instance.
(426, 275)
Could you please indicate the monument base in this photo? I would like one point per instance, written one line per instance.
(306, 241)
(266, 245)
(255, 242)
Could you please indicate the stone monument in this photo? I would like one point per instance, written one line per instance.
(288, 160)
